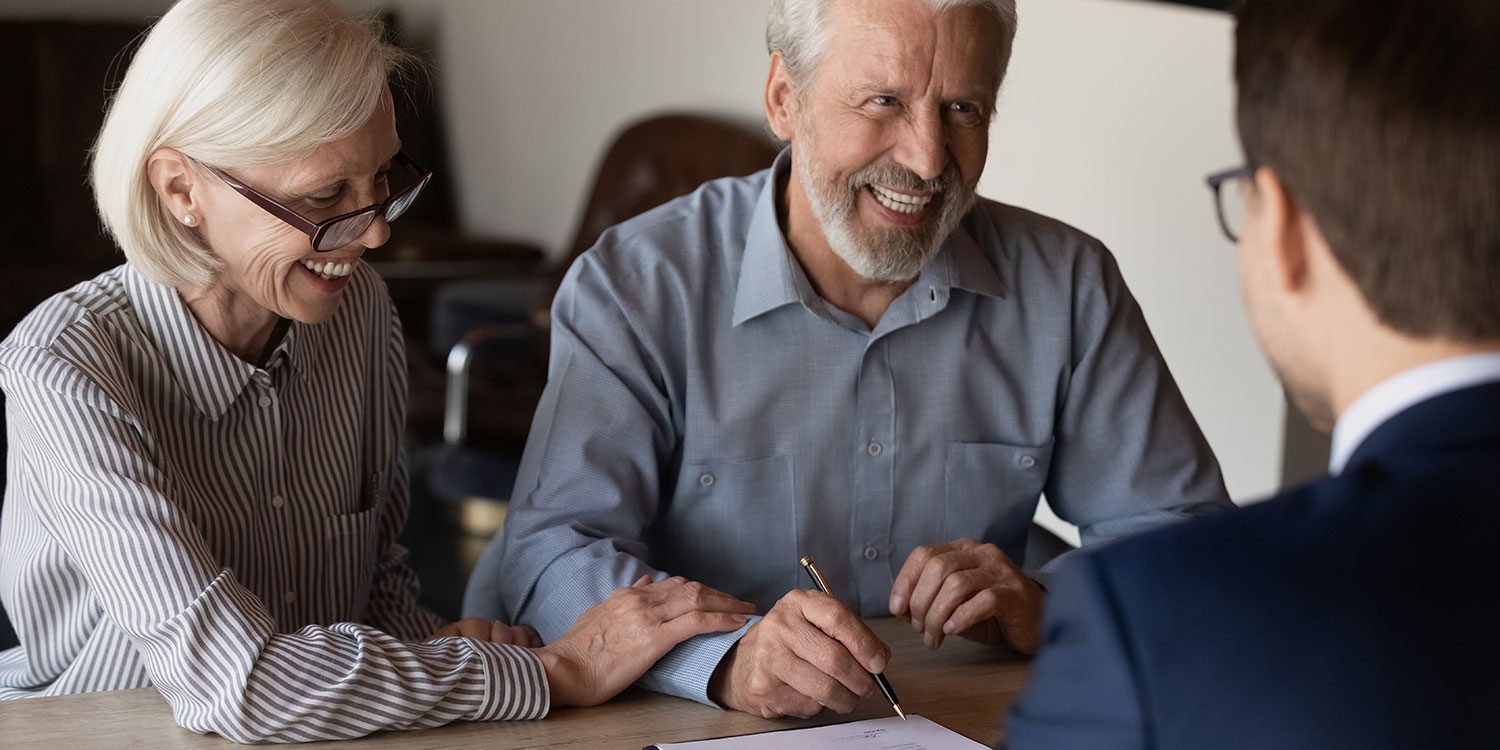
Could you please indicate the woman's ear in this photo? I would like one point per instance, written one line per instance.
(172, 176)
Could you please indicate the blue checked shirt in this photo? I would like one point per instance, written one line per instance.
(708, 415)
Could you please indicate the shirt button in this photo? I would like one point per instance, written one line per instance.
(289, 597)
(264, 401)
(1028, 461)
(871, 553)
(875, 448)
(278, 501)
(707, 480)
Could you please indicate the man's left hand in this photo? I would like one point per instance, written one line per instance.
(969, 589)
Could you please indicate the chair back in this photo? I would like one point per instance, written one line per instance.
(653, 161)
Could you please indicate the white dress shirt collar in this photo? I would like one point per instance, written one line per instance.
(1403, 391)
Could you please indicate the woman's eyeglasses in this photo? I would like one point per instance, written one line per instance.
(334, 233)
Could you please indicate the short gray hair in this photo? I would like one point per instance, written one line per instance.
(796, 29)
(231, 83)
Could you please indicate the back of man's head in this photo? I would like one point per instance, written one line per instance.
(1382, 119)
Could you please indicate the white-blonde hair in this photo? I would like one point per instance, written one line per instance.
(232, 83)
(798, 30)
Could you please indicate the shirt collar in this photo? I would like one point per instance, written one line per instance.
(771, 278)
(1403, 391)
(208, 374)
(967, 267)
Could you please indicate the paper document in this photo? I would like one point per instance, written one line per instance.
(876, 734)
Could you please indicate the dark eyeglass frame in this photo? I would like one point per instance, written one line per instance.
(1216, 182)
(316, 231)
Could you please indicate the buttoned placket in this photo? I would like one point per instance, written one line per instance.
(278, 507)
(876, 452)
(879, 449)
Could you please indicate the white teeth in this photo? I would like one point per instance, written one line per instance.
(329, 270)
(898, 202)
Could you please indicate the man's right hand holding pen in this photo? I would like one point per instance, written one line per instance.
(808, 653)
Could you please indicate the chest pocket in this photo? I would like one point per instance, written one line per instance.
(733, 526)
(992, 491)
(342, 575)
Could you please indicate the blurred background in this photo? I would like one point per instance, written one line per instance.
(549, 120)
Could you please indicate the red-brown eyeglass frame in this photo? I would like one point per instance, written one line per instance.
(317, 231)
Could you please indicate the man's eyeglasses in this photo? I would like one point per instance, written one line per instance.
(334, 233)
(1230, 204)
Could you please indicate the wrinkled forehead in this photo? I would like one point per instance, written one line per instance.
(907, 41)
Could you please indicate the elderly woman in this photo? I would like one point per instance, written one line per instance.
(206, 478)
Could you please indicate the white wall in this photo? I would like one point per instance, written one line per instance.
(1113, 112)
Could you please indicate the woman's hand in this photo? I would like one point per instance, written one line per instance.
(615, 642)
(495, 631)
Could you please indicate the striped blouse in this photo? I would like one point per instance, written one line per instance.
(177, 517)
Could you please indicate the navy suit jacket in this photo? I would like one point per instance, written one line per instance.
(1359, 611)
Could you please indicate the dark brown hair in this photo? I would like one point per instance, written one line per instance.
(1382, 118)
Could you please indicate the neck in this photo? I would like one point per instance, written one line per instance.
(830, 276)
(246, 329)
(1360, 369)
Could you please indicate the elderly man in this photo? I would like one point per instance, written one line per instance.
(847, 356)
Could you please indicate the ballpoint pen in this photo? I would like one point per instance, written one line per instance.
(885, 685)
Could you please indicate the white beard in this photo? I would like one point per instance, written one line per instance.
(894, 255)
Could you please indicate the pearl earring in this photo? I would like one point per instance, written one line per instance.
(190, 220)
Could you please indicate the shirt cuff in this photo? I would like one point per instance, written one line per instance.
(686, 670)
(515, 684)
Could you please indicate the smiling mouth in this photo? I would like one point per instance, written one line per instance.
(901, 203)
(329, 270)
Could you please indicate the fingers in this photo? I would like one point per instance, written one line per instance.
(930, 582)
(532, 639)
(778, 699)
(672, 602)
(906, 580)
(833, 660)
(477, 628)
(681, 628)
(501, 633)
(519, 635)
(834, 619)
(958, 588)
(815, 683)
(788, 702)
(980, 607)
(495, 631)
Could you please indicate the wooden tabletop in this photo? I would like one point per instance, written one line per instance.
(963, 686)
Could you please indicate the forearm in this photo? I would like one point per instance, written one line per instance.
(223, 670)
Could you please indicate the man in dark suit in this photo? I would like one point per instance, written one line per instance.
(1359, 611)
